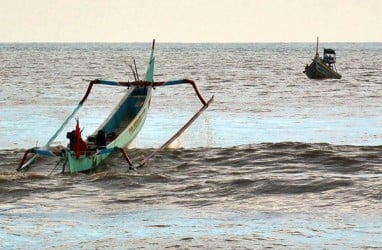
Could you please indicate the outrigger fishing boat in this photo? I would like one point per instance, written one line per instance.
(322, 68)
(118, 130)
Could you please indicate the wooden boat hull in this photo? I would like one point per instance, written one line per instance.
(318, 70)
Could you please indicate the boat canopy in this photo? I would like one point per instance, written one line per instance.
(329, 56)
(329, 51)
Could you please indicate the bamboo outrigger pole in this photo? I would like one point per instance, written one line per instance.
(75, 110)
(177, 134)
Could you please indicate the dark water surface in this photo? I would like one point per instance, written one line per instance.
(278, 160)
(291, 195)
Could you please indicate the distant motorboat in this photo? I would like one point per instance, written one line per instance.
(323, 68)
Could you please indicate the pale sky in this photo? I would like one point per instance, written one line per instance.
(190, 20)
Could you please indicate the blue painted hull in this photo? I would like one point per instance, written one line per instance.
(124, 124)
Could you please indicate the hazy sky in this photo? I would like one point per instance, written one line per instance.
(190, 20)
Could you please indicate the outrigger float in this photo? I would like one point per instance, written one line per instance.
(116, 132)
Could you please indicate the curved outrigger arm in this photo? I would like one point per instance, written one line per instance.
(177, 134)
(44, 151)
(158, 84)
(24, 165)
(154, 84)
(36, 151)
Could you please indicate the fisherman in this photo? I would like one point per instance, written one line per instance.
(76, 143)
(101, 139)
(72, 139)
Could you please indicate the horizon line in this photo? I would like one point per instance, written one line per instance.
(186, 42)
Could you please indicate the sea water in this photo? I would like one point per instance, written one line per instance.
(278, 160)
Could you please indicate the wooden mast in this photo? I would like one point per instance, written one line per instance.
(317, 48)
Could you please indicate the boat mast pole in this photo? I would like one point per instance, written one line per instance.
(317, 48)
